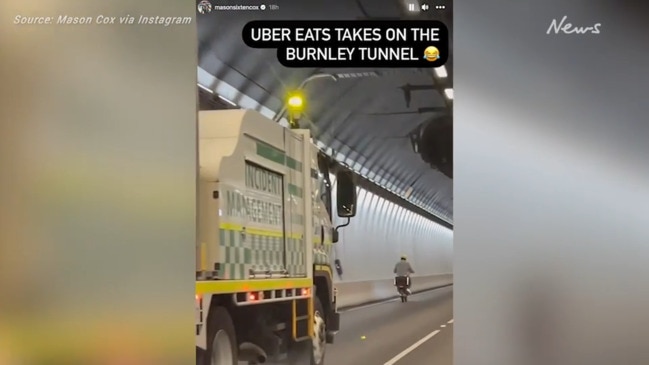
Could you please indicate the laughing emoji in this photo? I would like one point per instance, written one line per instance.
(431, 54)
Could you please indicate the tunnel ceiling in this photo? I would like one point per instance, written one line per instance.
(364, 116)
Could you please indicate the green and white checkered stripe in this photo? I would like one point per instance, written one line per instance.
(320, 256)
(296, 256)
(322, 251)
(257, 252)
(267, 252)
(234, 254)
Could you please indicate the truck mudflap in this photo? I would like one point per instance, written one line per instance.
(200, 356)
(333, 326)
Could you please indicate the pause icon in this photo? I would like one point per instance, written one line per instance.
(413, 7)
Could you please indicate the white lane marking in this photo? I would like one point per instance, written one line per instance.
(451, 321)
(411, 348)
(443, 326)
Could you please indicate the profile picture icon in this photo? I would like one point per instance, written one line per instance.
(204, 7)
(431, 54)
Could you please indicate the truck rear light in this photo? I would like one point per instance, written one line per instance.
(253, 297)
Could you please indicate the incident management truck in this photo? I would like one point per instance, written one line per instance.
(264, 285)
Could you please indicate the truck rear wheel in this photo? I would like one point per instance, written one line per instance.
(222, 339)
(312, 352)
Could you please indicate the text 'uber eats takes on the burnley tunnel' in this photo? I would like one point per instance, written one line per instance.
(353, 44)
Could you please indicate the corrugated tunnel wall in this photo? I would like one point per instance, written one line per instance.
(373, 242)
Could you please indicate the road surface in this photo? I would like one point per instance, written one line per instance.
(395, 333)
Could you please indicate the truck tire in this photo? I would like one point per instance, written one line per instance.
(221, 339)
(312, 352)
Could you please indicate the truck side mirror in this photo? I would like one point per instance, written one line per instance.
(345, 194)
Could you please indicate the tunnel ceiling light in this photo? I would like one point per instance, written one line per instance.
(409, 192)
(441, 72)
(206, 88)
(449, 93)
(353, 75)
(227, 100)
